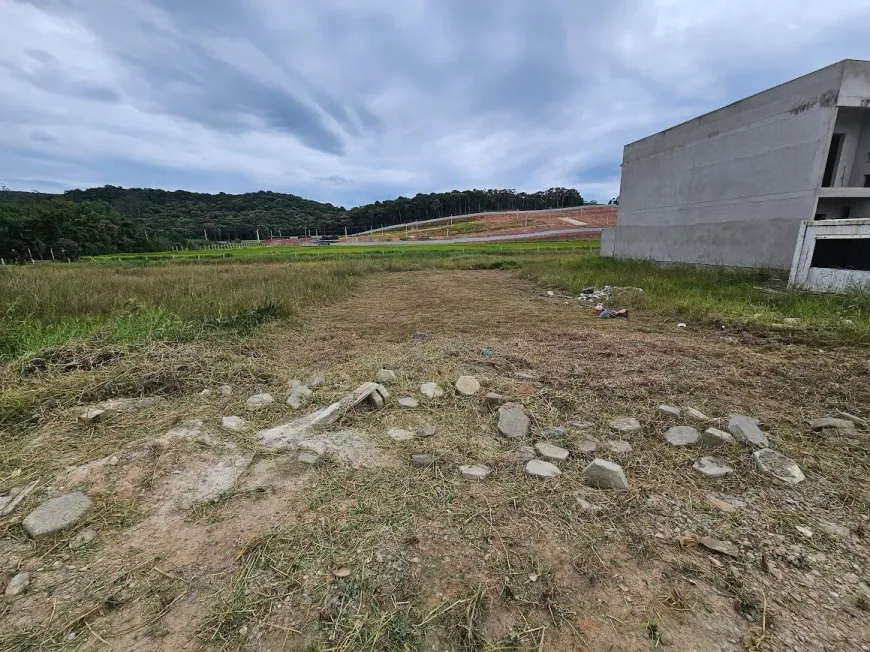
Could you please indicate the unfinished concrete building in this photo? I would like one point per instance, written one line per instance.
(733, 187)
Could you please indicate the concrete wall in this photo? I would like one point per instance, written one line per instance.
(608, 242)
(732, 186)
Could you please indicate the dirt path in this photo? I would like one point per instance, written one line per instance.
(391, 557)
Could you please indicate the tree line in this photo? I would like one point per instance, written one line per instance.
(111, 219)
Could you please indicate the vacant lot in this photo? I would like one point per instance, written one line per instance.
(205, 539)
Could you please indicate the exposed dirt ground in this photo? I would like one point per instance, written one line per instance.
(206, 541)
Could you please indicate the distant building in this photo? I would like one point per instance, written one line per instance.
(732, 187)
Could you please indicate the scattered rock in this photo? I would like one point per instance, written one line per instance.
(82, 539)
(235, 424)
(777, 465)
(554, 432)
(422, 460)
(580, 424)
(9, 502)
(259, 401)
(385, 376)
(835, 530)
(513, 421)
(712, 467)
(225, 390)
(805, 531)
(587, 446)
(408, 402)
(551, 452)
(602, 474)
(692, 413)
(17, 585)
(831, 422)
(723, 505)
(205, 393)
(722, 547)
(92, 415)
(619, 447)
(341, 572)
(858, 421)
(542, 469)
(431, 390)
(467, 385)
(670, 410)
(493, 400)
(713, 437)
(315, 380)
(473, 471)
(56, 514)
(308, 457)
(791, 321)
(425, 430)
(523, 454)
(127, 404)
(419, 336)
(746, 431)
(400, 434)
(586, 506)
(377, 399)
(299, 393)
(682, 436)
(625, 424)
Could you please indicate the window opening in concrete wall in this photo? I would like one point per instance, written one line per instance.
(833, 157)
(847, 211)
(821, 216)
(867, 180)
(842, 253)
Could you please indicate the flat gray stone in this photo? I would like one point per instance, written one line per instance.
(542, 469)
(513, 421)
(56, 515)
(127, 404)
(425, 430)
(580, 424)
(712, 467)
(467, 385)
(682, 436)
(422, 460)
(619, 446)
(92, 415)
(493, 400)
(523, 454)
(625, 424)
(308, 457)
(400, 434)
(713, 438)
(17, 585)
(431, 390)
(315, 380)
(408, 402)
(586, 506)
(551, 452)
(746, 431)
(670, 410)
(587, 446)
(385, 376)
(299, 395)
(858, 421)
(225, 390)
(235, 424)
(376, 399)
(554, 432)
(83, 538)
(205, 393)
(722, 547)
(473, 471)
(602, 474)
(831, 422)
(692, 413)
(10, 501)
(259, 401)
(791, 321)
(778, 465)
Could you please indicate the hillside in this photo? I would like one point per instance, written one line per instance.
(113, 219)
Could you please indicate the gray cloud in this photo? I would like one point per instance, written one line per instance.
(348, 102)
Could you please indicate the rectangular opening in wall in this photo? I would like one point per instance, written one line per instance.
(842, 253)
(820, 217)
(833, 158)
(867, 180)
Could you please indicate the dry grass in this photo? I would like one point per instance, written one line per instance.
(435, 561)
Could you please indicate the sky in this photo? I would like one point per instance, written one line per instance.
(350, 101)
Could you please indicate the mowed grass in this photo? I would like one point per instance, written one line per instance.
(198, 295)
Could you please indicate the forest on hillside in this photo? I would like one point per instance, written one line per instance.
(111, 219)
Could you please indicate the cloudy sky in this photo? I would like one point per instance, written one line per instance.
(350, 101)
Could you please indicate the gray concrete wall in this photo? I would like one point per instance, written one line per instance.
(608, 242)
(862, 153)
(732, 186)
